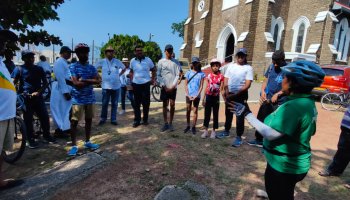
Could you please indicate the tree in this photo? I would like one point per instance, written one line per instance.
(124, 46)
(179, 28)
(22, 15)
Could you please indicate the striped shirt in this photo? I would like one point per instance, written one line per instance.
(346, 119)
(85, 95)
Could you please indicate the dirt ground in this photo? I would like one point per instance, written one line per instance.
(149, 160)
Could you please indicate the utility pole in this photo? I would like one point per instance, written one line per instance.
(109, 37)
(150, 37)
(53, 53)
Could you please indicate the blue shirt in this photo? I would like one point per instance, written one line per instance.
(274, 82)
(31, 78)
(85, 95)
(346, 119)
(195, 83)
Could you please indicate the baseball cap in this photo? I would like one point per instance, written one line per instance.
(125, 60)
(6, 34)
(195, 59)
(25, 53)
(214, 60)
(65, 49)
(242, 50)
(169, 47)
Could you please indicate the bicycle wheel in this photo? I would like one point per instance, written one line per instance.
(331, 101)
(156, 92)
(19, 143)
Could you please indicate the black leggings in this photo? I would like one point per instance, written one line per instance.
(211, 103)
(281, 185)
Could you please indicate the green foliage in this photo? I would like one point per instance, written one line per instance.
(179, 28)
(124, 46)
(22, 15)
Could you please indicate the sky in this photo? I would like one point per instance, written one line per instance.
(88, 20)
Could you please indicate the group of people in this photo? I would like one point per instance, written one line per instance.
(284, 125)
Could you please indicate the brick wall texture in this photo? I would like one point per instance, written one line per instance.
(256, 18)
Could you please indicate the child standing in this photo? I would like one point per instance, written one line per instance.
(211, 99)
(193, 87)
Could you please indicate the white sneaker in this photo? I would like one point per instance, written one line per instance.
(205, 134)
(213, 134)
(121, 112)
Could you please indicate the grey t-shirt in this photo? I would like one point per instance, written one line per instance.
(167, 73)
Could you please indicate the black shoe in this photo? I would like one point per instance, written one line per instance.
(101, 123)
(11, 184)
(145, 123)
(136, 124)
(61, 134)
(165, 127)
(187, 129)
(193, 130)
(328, 173)
(32, 144)
(114, 123)
(49, 139)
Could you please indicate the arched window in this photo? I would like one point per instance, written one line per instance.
(342, 39)
(275, 36)
(277, 27)
(300, 32)
(300, 38)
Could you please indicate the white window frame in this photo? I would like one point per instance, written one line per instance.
(339, 45)
(198, 42)
(226, 4)
(280, 23)
(295, 27)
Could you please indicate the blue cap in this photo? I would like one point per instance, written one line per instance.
(195, 59)
(169, 47)
(242, 50)
(27, 53)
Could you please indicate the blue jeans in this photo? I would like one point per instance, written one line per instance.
(106, 95)
(129, 94)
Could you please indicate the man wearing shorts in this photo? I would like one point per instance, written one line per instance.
(84, 76)
(167, 77)
(7, 107)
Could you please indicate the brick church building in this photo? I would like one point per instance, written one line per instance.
(305, 29)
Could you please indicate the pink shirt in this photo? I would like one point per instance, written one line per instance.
(214, 83)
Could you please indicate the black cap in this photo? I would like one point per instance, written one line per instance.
(169, 47)
(27, 53)
(65, 49)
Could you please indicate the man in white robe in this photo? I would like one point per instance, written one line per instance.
(60, 101)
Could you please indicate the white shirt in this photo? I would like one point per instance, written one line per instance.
(123, 79)
(8, 95)
(110, 73)
(237, 75)
(62, 73)
(141, 70)
(45, 65)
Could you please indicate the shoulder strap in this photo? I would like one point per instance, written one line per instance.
(189, 80)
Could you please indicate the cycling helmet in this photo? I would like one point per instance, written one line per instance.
(82, 47)
(306, 73)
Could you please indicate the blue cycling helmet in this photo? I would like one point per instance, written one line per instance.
(306, 73)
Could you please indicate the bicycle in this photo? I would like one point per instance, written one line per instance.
(334, 101)
(19, 144)
(156, 90)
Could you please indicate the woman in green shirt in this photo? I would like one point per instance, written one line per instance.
(288, 130)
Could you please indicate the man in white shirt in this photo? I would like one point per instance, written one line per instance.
(140, 68)
(44, 64)
(238, 78)
(126, 88)
(167, 76)
(61, 100)
(110, 84)
(7, 108)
